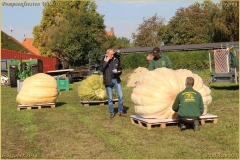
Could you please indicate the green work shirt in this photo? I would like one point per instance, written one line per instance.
(234, 62)
(164, 61)
(188, 103)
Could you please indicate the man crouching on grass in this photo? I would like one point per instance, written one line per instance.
(189, 105)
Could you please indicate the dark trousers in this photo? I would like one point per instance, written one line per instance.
(183, 120)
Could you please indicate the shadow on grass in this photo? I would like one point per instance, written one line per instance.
(125, 108)
(43, 106)
(59, 104)
(65, 90)
(225, 87)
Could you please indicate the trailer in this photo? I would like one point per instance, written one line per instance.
(226, 64)
(70, 73)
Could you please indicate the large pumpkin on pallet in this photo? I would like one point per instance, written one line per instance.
(134, 77)
(93, 89)
(38, 89)
(156, 91)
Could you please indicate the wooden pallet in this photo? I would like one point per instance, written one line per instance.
(150, 122)
(38, 106)
(100, 103)
(208, 117)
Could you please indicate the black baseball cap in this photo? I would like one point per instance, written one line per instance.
(156, 50)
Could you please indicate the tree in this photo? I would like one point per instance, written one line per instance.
(213, 13)
(75, 30)
(147, 32)
(228, 25)
(187, 26)
(116, 43)
(205, 22)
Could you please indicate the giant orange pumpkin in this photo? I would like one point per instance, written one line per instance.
(37, 89)
(156, 91)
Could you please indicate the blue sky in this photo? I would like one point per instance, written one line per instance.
(123, 16)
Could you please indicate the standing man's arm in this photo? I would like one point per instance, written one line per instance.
(103, 64)
(175, 105)
(169, 63)
(151, 65)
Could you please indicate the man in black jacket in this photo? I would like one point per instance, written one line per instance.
(112, 69)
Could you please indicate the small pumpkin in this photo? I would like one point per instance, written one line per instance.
(156, 91)
(38, 89)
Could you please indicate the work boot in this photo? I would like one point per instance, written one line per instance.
(196, 125)
(182, 127)
(111, 115)
(121, 114)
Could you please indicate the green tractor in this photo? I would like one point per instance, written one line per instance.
(22, 69)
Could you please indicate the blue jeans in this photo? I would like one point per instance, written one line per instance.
(118, 89)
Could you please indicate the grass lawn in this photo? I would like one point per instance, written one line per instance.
(76, 132)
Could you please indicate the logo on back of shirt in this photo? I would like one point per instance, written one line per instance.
(188, 96)
(163, 63)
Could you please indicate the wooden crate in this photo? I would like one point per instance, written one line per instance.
(38, 106)
(150, 122)
(100, 103)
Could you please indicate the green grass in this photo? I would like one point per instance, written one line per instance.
(73, 131)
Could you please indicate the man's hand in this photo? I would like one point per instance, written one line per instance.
(107, 58)
(116, 72)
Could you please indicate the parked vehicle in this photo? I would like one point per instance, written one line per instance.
(94, 58)
(22, 65)
(226, 64)
(4, 72)
(22, 69)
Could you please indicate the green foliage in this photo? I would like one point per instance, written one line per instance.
(191, 60)
(132, 61)
(9, 44)
(70, 29)
(189, 26)
(116, 43)
(147, 32)
(95, 56)
(228, 25)
(205, 22)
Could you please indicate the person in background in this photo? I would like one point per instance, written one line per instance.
(159, 60)
(189, 105)
(112, 69)
(149, 57)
